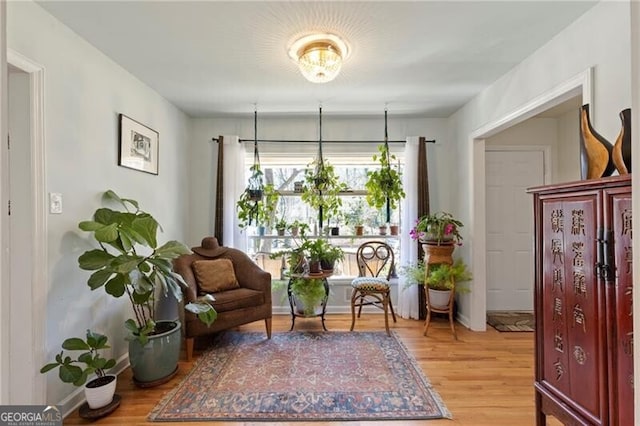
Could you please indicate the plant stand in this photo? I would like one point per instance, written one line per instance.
(294, 313)
(91, 414)
(437, 254)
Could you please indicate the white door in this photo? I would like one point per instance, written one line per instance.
(510, 227)
(21, 355)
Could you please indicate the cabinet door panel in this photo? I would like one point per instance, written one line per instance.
(584, 303)
(573, 304)
(552, 321)
(620, 285)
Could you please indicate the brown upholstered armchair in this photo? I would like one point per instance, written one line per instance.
(244, 297)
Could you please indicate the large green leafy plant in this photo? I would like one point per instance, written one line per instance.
(130, 262)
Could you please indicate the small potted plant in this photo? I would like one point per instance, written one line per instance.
(438, 228)
(309, 295)
(98, 391)
(440, 281)
(298, 228)
(281, 226)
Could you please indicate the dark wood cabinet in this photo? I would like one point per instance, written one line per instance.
(583, 310)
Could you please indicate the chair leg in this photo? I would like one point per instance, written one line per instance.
(453, 328)
(393, 314)
(189, 346)
(353, 308)
(361, 303)
(427, 321)
(267, 323)
(385, 307)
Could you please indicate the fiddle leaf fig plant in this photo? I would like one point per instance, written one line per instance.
(130, 261)
(69, 372)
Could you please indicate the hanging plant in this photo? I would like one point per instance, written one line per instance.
(384, 186)
(249, 205)
(321, 189)
(322, 186)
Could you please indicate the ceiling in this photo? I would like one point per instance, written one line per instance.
(215, 58)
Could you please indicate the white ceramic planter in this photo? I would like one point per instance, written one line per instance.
(102, 395)
(439, 299)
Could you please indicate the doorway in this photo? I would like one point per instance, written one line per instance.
(578, 86)
(509, 172)
(25, 221)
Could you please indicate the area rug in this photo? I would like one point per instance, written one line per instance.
(303, 376)
(511, 321)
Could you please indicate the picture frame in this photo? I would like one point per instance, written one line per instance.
(138, 148)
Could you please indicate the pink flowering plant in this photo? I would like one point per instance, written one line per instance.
(438, 227)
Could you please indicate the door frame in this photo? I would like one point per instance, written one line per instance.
(546, 168)
(581, 84)
(34, 315)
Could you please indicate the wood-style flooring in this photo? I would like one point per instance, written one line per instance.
(484, 378)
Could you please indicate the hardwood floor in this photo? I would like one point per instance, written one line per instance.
(484, 378)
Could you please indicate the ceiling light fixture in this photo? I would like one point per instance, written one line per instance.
(319, 56)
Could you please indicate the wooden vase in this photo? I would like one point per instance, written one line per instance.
(595, 150)
(622, 148)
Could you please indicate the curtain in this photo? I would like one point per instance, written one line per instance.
(408, 305)
(232, 188)
(218, 227)
(423, 209)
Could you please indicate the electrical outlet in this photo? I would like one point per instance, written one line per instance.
(55, 203)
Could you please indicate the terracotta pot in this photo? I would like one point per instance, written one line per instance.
(359, 230)
(394, 229)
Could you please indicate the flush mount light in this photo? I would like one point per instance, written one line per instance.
(319, 56)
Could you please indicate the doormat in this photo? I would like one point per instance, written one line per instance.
(303, 376)
(511, 321)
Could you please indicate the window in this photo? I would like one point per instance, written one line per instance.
(284, 165)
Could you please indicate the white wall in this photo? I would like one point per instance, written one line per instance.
(84, 92)
(566, 165)
(599, 39)
(203, 158)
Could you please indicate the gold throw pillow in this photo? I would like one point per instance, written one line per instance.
(215, 275)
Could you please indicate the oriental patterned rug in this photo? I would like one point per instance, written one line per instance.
(303, 376)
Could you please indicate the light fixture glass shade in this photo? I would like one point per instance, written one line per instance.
(319, 56)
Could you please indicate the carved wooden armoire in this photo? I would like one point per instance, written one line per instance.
(583, 309)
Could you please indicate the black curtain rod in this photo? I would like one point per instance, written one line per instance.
(313, 141)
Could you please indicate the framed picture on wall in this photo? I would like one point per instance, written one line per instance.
(138, 146)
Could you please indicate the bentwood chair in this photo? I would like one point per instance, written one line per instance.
(376, 262)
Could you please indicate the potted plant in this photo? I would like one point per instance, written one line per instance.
(257, 211)
(314, 249)
(321, 190)
(131, 262)
(384, 185)
(281, 226)
(329, 255)
(440, 281)
(298, 228)
(98, 391)
(438, 228)
(309, 295)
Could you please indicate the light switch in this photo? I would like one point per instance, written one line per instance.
(55, 203)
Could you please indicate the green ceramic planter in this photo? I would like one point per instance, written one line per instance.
(158, 359)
